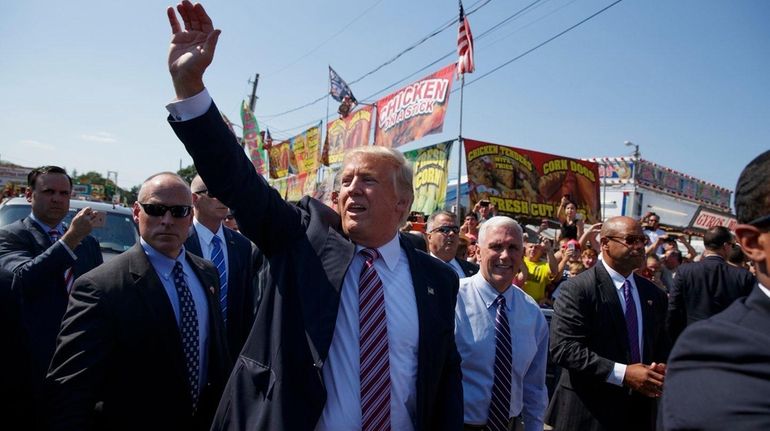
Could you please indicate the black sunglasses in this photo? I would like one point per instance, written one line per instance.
(631, 240)
(446, 229)
(158, 210)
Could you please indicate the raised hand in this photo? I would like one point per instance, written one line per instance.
(192, 49)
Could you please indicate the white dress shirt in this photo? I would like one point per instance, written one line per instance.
(454, 264)
(619, 370)
(341, 371)
(205, 239)
(475, 336)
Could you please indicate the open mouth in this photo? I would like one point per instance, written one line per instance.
(356, 208)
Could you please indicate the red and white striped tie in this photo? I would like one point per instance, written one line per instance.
(375, 365)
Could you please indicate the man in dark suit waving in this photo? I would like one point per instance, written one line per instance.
(356, 329)
(719, 369)
(142, 345)
(705, 288)
(232, 254)
(608, 334)
(46, 258)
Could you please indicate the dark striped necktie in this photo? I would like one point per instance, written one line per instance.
(500, 405)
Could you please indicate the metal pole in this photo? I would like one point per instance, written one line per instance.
(460, 151)
(253, 98)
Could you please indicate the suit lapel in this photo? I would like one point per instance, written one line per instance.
(41, 238)
(647, 304)
(610, 293)
(156, 299)
(193, 243)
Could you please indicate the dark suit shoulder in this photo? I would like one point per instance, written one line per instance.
(469, 268)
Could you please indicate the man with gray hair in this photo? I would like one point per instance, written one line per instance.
(443, 241)
(502, 337)
(355, 328)
(143, 335)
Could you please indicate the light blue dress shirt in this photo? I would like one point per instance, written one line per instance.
(164, 266)
(475, 336)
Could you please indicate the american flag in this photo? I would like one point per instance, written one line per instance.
(464, 45)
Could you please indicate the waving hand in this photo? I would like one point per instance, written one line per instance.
(192, 49)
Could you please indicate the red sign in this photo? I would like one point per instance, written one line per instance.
(705, 220)
(414, 111)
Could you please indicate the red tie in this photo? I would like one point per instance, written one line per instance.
(375, 365)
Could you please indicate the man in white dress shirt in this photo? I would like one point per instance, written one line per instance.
(443, 241)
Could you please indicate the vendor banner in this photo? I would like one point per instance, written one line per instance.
(682, 185)
(281, 159)
(280, 185)
(328, 182)
(431, 171)
(295, 187)
(529, 184)
(306, 149)
(414, 111)
(252, 139)
(346, 133)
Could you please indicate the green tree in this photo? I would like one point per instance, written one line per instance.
(188, 173)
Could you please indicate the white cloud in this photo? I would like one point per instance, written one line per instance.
(101, 137)
(37, 144)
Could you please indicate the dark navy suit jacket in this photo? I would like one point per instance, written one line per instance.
(277, 382)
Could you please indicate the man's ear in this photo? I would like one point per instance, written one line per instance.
(135, 212)
(750, 239)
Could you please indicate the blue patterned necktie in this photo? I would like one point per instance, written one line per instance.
(632, 325)
(218, 257)
(188, 328)
(500, 405)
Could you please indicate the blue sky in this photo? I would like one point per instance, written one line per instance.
(85, 83)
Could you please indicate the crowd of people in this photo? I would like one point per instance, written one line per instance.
(238, 311)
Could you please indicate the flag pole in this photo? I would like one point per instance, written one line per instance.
(460, 151)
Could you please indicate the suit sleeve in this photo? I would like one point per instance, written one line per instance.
(570, 333)
(535, 392)
(676, 318)
(33, 273)
(449, 403)
(263, 216)
(78, 365)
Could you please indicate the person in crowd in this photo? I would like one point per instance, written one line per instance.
(719, 370)
(572, 222)
(539, 273)
(234, 257)
(589, 257)
(651, 270)
(46, 258)
(462, 248)
(230, 222)
(473, 252)
(705, 288)
(484, 210)
(502, 337)
(672, 260)
(669, 242)
(737, 257)
(470, 227)
(655, 235)
(608, 334)
(339, 279)
(443, 240)
(143, 333)
(590, 237)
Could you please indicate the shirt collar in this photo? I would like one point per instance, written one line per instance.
(59, 227)
(162, 263)
(390, 252)
(617, 278)
(488, 293)
(205, 234)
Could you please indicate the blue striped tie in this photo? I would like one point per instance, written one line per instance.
(500, 404)
(219, 261)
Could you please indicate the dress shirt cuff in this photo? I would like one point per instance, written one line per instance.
(192, 107)
(66, 247)
(617, 374)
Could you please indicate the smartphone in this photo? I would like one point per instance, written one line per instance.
(571, 246)
(99, 219)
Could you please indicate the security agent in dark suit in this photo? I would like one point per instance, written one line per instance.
(46, 257)
(719, 370)
(300, 368)
(608, 334)
(443, 240)
(238, 296)
(707, 287)
(141, 345)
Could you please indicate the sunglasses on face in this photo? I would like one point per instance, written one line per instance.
(630, 240)
(158, 210)
(446, 229)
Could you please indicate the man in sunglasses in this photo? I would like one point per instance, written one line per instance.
(719, 370)
(608, 334)
(443, 241)
(234, 257)
(143, 333)
(356, 328)
(705, 288)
